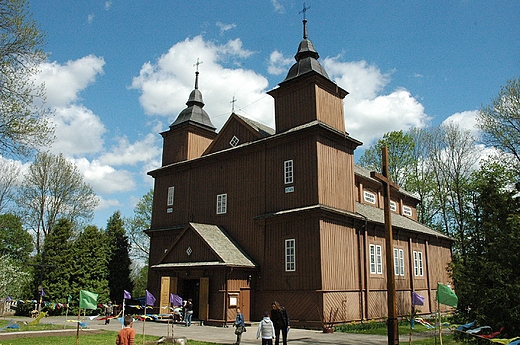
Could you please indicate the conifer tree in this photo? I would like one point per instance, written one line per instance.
(119, 258)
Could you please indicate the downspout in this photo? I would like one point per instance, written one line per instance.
(360, 267)
(226, 297)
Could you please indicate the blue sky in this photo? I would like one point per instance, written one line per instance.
(119, 72)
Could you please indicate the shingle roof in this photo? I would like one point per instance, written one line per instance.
(227, 251)
(264, 130)
(377, 215)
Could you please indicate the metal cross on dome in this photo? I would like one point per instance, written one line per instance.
(197, 64)
(304, 10)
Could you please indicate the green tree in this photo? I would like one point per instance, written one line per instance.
(119, 259)
(53, 188)
(140, 222)
(13, 278)
(500, 121)
(140, 280)
(59, 254)
(15, 242)
(90, 265)
(24, 123)
(401, 147)
(487, 278)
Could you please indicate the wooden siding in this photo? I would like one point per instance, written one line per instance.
(339, 257)
(199, 250)
(294, 107)
(335, 178)
(329, 109)
(185, 142)
(233, 128)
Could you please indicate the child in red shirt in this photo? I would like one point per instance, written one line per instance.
(126, 336)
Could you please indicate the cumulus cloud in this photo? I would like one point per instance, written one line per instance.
(166, 83)
(279, 8)
(369, 113)
(63, 83)
(78, 131)
(103, 178)
(279, 64)
(466, 120)
(127, 153)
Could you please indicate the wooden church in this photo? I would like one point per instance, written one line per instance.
(252, 214)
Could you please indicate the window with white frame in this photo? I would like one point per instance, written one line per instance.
(418, 264)
(376, 259)
(290, 255)
(234, 141)
(393, 206)
(398, 262)
(169, 201)
(369, 197)
(221, 203)
(288, 171)
(407, 211)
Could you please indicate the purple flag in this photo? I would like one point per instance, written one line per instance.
(8, 299)
(126, 295)
(417, 299)
(150, 300)
(43, 293)
(176, 300)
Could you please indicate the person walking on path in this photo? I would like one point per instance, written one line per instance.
(189, 312)
(240, 326)
(126, 336)
(109, 310)
(266, 330)
(281, 322)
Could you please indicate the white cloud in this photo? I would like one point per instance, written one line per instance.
(90, 18)
(127, 153)
(279, 8)
(78, 131)
(64, 82)
(225, 27)
(105, 204)
(369, 113)
(278, 64)
(466, 120)
(166, 84)
(104, 179)
(108, 5)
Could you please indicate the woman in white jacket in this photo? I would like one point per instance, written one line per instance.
(266, 330)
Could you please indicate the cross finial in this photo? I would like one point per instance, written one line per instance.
(197, 73)
(233, 104)
(197, 64)
(304, 10)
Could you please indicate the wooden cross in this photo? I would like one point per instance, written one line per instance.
(392, 324)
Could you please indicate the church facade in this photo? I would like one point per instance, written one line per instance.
(252, 214)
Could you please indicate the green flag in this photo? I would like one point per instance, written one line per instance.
(446, 296)
(87, 299)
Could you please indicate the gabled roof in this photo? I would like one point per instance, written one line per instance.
(263, 130)
(228, 253)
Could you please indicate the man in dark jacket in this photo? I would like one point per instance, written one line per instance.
(281, 322)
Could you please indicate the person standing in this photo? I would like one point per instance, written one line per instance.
(109, 310)
(265, 330)
(189, 312)
(281, 322)
(240, 326)
(126, 336)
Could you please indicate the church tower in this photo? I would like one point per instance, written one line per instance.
(191, 133)
(307, 94)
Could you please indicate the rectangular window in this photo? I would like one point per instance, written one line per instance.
(376, 259)
(221, 203)
(369, 197)
(288, 171)
(407, 211)
(169, 201)
(398, 262)
(418, 264)
(290, 255)
(393, 206)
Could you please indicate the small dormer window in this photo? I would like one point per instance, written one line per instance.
(234, 141)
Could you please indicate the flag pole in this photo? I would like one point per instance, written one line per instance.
(66, 314)
(440, 320)
(123, 324)
(77, 326)
(144, 319)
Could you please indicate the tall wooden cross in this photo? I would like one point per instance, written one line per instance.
(392, 324)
